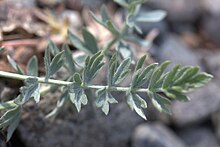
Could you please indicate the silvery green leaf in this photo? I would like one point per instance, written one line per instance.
(53, 48)
(56, 63)
(78, 43)
(30, 90)
(201, 79)
(60, 104)
(122, 71)
(15, 65)
(160, 102)
(176, 95)
(12, 127)
(7, 105)
(125, 51)
(77, 78)
(93, 64)
(169, 79)
(107, 24)
(181, 72)
(90, 41)
(77, 96)
(80, 60)
(53, 66)
(157, 74)
(123, 3)
(187, 75)
(32, 67)
(98, 20)
(136, 103)
(144, 76)
(104, 98)
(112, 28)
(140, 62)
(69, 59)
(10, 121)
(152, 16)
(136, 2)
(112, 69)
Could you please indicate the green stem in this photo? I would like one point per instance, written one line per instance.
(40, 79)
(109, 45)
(65, 83)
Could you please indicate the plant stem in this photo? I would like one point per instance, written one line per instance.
(65, 83)
(40, 79)
(109, 45)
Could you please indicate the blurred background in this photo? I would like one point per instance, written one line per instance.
(190, 35)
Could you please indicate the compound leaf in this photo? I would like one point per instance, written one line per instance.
(90, 41)
(136, 103)
(32, 67)
(30, 90)
(15, 65)
(104, 98)
(77, 95)
(152, 16)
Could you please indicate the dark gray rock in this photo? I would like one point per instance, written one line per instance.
(178, 10)
(199, 137)
(204, 102)
(175, 50)
(216, 122)
(211, 6)
(212, 64)
(210, 27)
(155, 135)
(88, 128)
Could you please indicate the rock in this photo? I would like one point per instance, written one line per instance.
(178, 10)
(212, 64)
(155, 135)
(216, 122)
(199, 137)
(88, 128)
(210, 27)
(211, 6)
(175, 50)
(204, 102)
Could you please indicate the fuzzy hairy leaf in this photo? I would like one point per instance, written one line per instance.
(160, 102)
(69, 62)
(125, 51)
(107, 23)
(52, 66)
(15, 65)
(168, 81)
(142, 76)
(30, 90)
(152, 16)
(53, 48)
(90, 41)
(136, 103)
(121, 72)
(10, 121)
(93, 64)
(104, 98)
(157, 74)
(77, 42)
(32, 67)
(77, 96)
